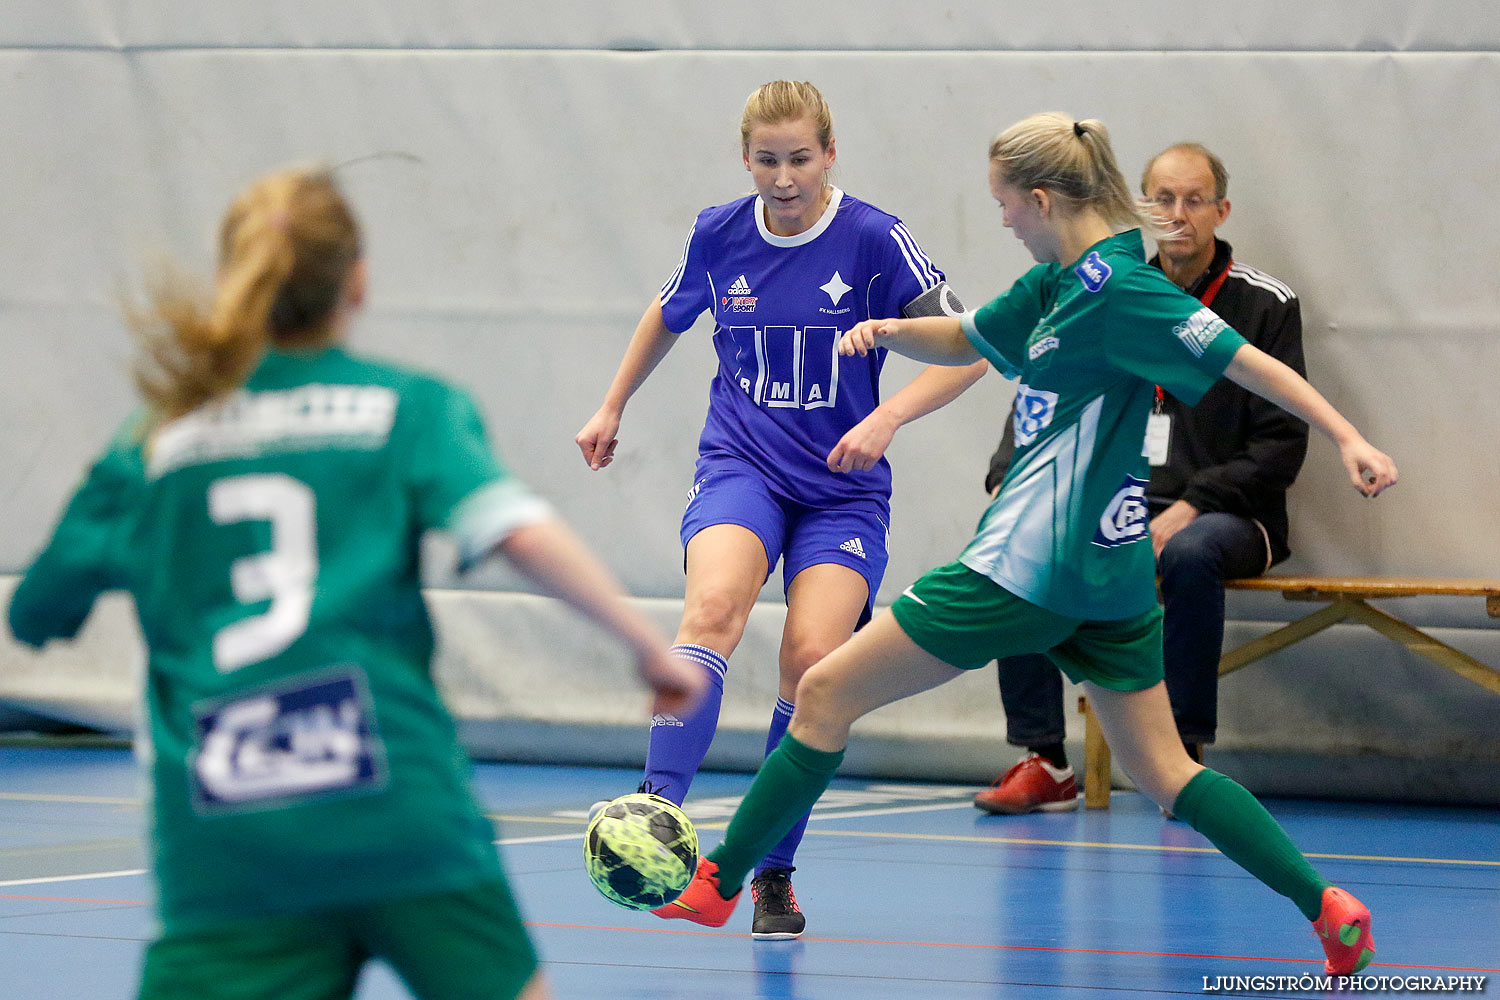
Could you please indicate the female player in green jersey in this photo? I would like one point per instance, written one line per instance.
(311, 808)
(1061, 563)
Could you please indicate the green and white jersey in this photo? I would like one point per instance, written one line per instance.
(302, 757)
(1089, 343)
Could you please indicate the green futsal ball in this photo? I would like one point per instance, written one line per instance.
(640, 851)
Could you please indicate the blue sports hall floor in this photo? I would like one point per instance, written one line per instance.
(909, 891)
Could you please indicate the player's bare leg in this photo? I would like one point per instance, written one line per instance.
(1142, 736)
(879, 664)
(535, 989)
(823, 605)
(726, 567)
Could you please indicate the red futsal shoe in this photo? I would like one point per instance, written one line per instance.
(1032, 785)
(701, 902)
(1343, 927)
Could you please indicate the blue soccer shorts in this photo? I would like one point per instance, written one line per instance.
(854, 533)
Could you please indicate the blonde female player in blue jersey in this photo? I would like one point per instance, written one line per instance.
(790, 463)
(311, 808)
(1062, 561)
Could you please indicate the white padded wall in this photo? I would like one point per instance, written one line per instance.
(542, 165)
(533, 198)
(767, 25)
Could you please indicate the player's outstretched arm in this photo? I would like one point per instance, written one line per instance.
(86, 555)
(936, 386)
(551, 555)
(1370, 470)
(938, 340)
(650, 343)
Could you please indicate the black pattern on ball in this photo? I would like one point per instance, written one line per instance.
(640, 851)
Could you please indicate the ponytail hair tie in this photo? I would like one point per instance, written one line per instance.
(1078, 129)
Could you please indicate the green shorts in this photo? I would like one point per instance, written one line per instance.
(966, 619)
(462, 945)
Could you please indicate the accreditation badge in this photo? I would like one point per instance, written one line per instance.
(1158, 438)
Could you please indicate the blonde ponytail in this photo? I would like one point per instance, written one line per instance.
(286, 246)
(1073, 159)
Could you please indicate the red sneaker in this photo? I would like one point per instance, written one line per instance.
(1032, 784)
(1343, 926)
(700, 902)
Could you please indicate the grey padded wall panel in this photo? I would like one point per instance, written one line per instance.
(540, 196)
(537, 183)
(769, 25)
(1347, 714)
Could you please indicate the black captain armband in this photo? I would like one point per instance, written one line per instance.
(939, 300)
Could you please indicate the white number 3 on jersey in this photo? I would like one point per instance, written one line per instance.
(284, 574)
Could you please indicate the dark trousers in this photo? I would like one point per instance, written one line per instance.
(1193, 567)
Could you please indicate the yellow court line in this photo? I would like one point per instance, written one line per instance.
(580, 822)
(88, 800)
(536, 819)
(811, 831)
(1164, 848)
(1026, 841)
(83, 848)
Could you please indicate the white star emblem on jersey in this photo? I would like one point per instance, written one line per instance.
(836, 288)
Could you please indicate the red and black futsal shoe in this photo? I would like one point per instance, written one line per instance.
(701, 902)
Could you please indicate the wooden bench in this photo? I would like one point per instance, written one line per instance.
(1345, 599)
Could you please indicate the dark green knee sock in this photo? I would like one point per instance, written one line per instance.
(787, 785)
(1231, 818)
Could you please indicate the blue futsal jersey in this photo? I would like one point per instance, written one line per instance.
(782, 397)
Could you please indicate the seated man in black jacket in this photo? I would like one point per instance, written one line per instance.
(1217, 497)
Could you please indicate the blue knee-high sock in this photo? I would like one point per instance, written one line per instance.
(781, 855)
(678, 745)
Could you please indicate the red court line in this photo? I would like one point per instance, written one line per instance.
(1007, 947)
(871, 941)
(70, 899)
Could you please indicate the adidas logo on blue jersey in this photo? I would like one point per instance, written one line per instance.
(740, 286)
(854, 545)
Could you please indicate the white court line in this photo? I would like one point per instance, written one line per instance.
(894, 810)
(72, 878)
(558, 838)
(708, 823)
(510, 841)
